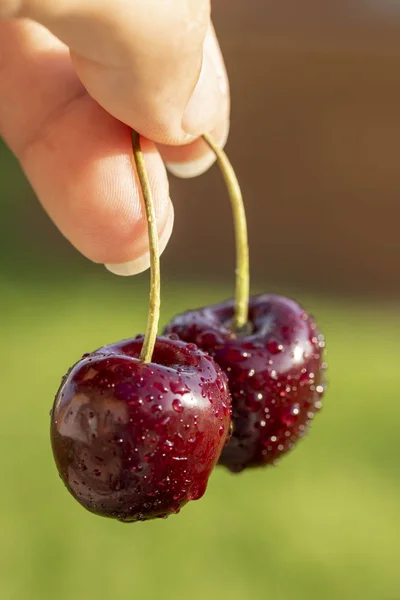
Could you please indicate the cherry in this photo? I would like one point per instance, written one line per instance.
(138, 426)
(275, 371)
(135, 440)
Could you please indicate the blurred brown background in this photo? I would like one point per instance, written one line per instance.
(315, 138)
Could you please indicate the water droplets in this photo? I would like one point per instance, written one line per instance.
(179, 387)
(176, 508)
(167, 446)
(253, 401)
(161, 426)
(290, 417)
(208, 339)
(274, 347)
(160, 387)
(220, 384)
(197, 490)
(177, 405)
(180, 458)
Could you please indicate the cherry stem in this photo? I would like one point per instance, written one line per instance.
(240, 226)
(154, 302)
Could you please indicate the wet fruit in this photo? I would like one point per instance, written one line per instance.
(275, 369)
(135, 440)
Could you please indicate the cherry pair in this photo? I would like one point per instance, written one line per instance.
(138, 426)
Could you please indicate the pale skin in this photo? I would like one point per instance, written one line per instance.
(75, 76)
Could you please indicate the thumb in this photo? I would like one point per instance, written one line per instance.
(144, 61)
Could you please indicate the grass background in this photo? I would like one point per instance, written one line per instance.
(322, 525)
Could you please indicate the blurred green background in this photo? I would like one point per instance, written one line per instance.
(325, 523)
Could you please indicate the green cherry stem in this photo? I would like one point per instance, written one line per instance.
(240, 226)
(154, 302)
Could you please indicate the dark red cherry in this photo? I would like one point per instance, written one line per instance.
(275, 369)
(136, 440)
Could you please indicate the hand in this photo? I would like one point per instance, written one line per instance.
(75, 76)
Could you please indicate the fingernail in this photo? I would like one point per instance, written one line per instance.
(201, 111)
(134, 267)
(212, 86)
(194, 168)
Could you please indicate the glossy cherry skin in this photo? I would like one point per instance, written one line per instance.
(135, 441)
(275, 370)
